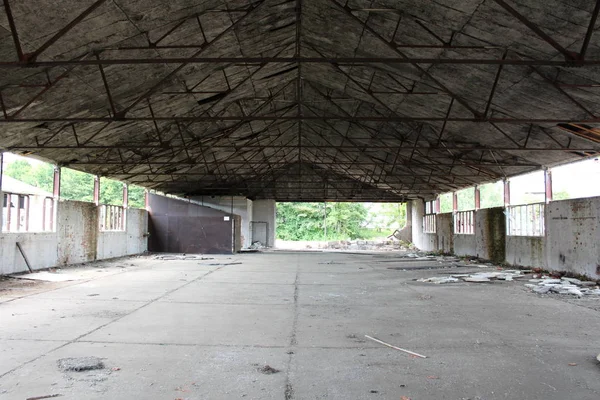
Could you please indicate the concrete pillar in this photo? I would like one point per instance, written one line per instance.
(417, 214)
(266, 211)
(1, 193)
(96, 190)
(548, 185)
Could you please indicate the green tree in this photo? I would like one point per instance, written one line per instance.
(136, 196)
(74, 185)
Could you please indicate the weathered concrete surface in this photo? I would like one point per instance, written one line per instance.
(185, 329)
(527, 251)
(266, 211)
(573, 241)
(76, 239)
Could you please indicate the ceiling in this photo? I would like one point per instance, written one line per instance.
(304, 100)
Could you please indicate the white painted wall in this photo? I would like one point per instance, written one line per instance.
(75, 240)
(266, 211)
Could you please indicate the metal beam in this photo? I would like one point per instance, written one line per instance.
(288, 60)
(391, 118)
(569, 55)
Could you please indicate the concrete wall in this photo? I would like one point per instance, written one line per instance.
(571, 243)
(526, 251)
(573, 236)
(241, 206)
(266, 211)
(132, 241)
(76, 239)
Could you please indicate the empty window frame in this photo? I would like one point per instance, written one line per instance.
(112, 218)
(464, 222)
(429, 221)
(15, 212)
(526, 220)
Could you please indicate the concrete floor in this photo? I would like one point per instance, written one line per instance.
(184, 329)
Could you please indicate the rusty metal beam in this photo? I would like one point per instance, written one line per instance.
(33, 56)
(390, 118)
(13, 31)
(304, 59)
(590, 31)
(569, 55)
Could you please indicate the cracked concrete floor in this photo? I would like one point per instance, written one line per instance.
(184, 329)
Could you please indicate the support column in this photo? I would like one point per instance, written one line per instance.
(454, 202)
(418, 212)
(477, 198)
(96, 190)
(125, 195)
(1, 193)
(56, 183)
(548, 185)
(506, 193)
(438, 205)
(146, 199)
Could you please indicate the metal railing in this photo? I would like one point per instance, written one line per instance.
(112, 218)
(464, 222)
(526, 220)
(429, 223)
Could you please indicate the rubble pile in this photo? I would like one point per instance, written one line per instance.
(564, 285)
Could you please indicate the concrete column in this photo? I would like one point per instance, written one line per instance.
(506, 193)
(477, 198)
(96, 190)
(417, 214)
(266, 211)
(548, 185)
(1, 193)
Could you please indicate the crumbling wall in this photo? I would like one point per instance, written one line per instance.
(573, 236)
(490, 234)
(526, 251)
(572, 241)
(445, 232)
(132, 241)
(76, 239)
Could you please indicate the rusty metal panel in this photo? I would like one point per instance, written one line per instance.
(179, 227)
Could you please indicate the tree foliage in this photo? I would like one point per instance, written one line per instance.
(336, 221)
(74, 185)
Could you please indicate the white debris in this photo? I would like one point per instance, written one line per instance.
(479, 277)
(438, 279)
(565, 286)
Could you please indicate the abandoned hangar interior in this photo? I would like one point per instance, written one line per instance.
(300, 100)
(222, 108)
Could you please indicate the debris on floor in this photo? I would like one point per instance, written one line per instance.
(48, 277)
(48, 396)
(79, 364)
(564, 285)
(268, 370)
(170, 257)
(230, 263)
(479, 277)
(394, 347)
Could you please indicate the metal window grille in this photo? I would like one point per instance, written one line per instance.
(464, 222)
(112, 218)
(526, 220)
